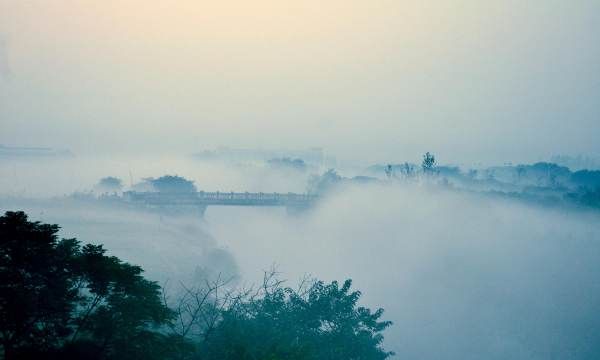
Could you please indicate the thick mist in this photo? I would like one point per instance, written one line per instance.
(487, 260)
(490, 81)
(57, 176)
(462, 275)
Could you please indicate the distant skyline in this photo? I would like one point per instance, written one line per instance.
(375, 81)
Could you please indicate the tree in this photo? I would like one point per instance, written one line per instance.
(59, 299)
(289, 163)
(321, 184)
(172, 184)
(521, 170)
(37, 284)
(586, 178)
(472, 174)
(62, 300)
(407, 170)
(109, 184)
(428, 163)
(319, 321)
(122, 307)
(389, 171)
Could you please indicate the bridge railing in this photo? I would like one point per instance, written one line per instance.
(218, 198)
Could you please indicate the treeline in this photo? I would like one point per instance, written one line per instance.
(60, 299)
(542, 182)
(540, 175)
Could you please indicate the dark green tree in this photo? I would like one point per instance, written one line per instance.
(38, 284)
(121, 310)
(323, 322)
(61, 300)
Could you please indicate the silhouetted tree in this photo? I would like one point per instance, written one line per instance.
(61, 300)
(38, 285)
(172, 184)
(58, 299)
(321, 184)
(322, 321)
(428, 163)
(389, 171)
(109, 184)
(408, 170)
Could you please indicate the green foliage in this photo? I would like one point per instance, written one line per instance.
(323, 322)
(37, 284)
(61, 300)
(122, 307)
(57, 297)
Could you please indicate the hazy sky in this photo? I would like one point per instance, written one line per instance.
(376, 80)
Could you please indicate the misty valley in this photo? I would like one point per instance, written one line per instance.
(445, 250)
(299, 180)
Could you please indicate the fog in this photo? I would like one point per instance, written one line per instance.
(478, 269)
(477, 82)
(462, 275)
(56, 176)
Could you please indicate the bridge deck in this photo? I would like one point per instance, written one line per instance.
(202, 198)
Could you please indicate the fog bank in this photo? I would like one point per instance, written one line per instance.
(462, 276)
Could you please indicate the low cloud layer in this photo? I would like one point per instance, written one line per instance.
(461, 276)
(169, 249)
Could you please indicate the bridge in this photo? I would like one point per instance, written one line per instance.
(200, 200)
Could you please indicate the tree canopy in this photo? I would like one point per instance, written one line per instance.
(319, 184)
(428, 163)
(109, 184)
(322, 321)
(60, 299)
(172, 184)
(56, 295)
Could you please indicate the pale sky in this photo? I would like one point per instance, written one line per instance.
(490, 81)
